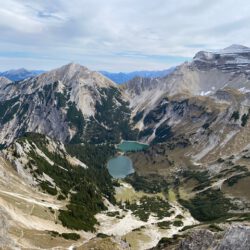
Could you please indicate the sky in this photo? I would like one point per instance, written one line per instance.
(117, 35)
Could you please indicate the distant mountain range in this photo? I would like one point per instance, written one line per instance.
(121, 77)
(20, 74)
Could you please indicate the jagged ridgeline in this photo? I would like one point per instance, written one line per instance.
(70, 104)
(47, 164)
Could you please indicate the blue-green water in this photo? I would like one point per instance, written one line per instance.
(120, 166)
(131, 146)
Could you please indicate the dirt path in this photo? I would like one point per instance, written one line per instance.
(31, 200)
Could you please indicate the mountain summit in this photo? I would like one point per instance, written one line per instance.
(65, 103)
(232, 58)
(73, 74)
(236, 48)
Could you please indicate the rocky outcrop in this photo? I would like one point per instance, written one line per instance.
(236, 237)
(231, 59)
(198, 240)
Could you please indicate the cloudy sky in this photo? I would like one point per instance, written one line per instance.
(117, 35)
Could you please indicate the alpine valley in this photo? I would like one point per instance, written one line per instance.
(190, 188)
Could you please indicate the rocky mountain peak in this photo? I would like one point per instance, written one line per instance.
(71, 69)
(234, 58)
(18, 71)
(65, 73)
(75, 74)
(236, 48)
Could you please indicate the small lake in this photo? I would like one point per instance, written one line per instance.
(120, 166)
(131, 146)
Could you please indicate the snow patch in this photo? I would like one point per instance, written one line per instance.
(244, 90)
(205, 93)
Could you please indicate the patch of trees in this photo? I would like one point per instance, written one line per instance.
(148, 205)
(208, 206)
(138, 116)
(67, 236)
(112, 119)
(244, 119)
(8, 109)
(235, 116)
(151, 184)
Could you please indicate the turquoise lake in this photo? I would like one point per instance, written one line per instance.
(131, 146)
(120, 166)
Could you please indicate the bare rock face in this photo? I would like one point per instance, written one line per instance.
(198, 240)
(61, 103)
(233, 58)
(235, 238)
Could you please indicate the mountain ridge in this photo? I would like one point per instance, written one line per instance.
(204, 75)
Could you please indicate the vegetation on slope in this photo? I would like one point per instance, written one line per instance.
(151, 184)
(111, 122)
(208, 205)
(149, 205)
(83, 187)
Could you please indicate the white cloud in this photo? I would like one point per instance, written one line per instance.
(104, 34)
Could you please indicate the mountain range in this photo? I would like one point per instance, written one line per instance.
(190, 189)
(20, 74)
(122, 77)
(119, 78)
